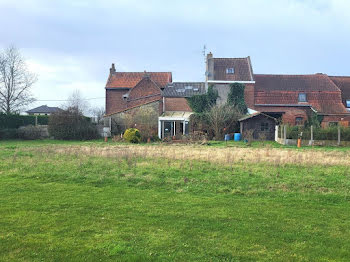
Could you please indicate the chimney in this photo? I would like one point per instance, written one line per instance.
(112, 69)
(210, 55)
(146, 75)
(209, 69)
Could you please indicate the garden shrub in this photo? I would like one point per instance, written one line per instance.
(31, 132)
(71, 124)
(132, 135)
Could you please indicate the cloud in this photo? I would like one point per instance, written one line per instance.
(71, 44)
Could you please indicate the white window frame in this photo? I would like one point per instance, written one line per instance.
(230, 70)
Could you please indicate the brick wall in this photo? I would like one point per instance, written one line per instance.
(249, 95)
(342, 120)
(115, 101)
(145, 91)
(177, 104)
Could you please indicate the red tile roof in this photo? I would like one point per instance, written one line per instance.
(343, 82)
(322, 93)
(131, 79)
(317, 82)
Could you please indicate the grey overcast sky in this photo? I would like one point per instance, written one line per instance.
(71, 44)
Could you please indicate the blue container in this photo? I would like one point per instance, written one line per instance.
(237, 137)
(227, 137)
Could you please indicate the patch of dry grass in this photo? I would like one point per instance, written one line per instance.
(225, 156)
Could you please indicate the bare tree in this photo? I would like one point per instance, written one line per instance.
(15, 82)
(222, 118)
(98, 112)
(77, 101)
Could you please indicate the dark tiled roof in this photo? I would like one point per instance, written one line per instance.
(317, 82)
(44, 109)
(242, 69)
(130, 79)
(254, 115)
(184, 89)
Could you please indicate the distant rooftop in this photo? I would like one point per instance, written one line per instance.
(44, 109)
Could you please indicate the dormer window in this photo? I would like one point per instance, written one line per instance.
(347, 103)
(230, 70)
(302, 97)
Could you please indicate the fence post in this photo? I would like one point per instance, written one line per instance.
(338, 135)
(281, 131)
(36, 120)
(285, 135)
(312, 135)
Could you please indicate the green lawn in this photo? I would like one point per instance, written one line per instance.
(56, 207)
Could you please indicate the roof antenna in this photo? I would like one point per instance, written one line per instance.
(204, 53)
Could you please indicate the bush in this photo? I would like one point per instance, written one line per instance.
(31, 132)
(70, 124)
(132, 135)
(146, 121)
(8, 133)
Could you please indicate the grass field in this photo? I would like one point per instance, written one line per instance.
(91, 201)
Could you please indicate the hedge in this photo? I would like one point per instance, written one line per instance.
(330, 133)
(15, 121)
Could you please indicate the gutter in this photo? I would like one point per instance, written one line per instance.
(230, 82)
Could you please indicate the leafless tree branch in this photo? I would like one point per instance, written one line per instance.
(15, 82)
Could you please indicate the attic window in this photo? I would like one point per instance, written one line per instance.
(181, 90)
(348, 103)
(230, 70)
(188, 87)
(302, 97)
(196, 89)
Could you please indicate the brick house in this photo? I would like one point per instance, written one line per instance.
(290, 98)
(125, 89)
(127, 92)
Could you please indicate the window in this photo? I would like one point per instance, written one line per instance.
(188, 87)
(264, 127)
(230, 70)
(348, 103)
(302, 97)
(299, 121)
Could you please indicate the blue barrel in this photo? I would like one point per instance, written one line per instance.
(237, 137)
(227, 137)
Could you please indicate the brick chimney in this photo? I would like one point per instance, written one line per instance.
(209, 70)
(112, 69)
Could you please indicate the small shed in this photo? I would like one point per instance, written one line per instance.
(262, 126)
